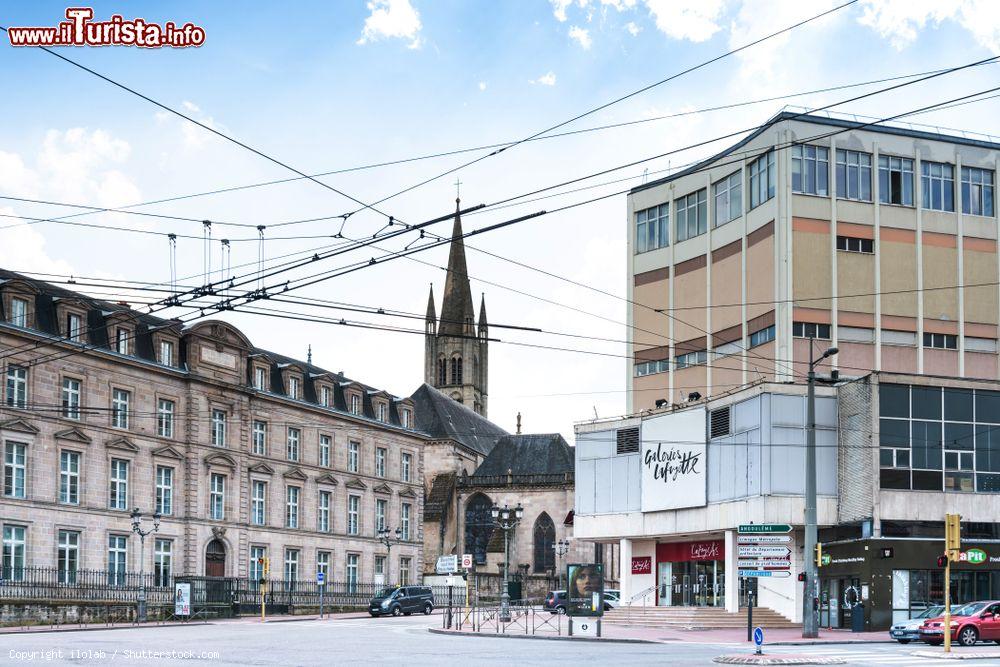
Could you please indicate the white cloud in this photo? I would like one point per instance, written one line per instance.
(632, 28)
(74, 166)
(901, 21)
(482, 85)
(191, 106)
(194, 137)
(581, 35)
(693, 20)
(559, 9)
(546, 79)
(392, 18)
(23, 248)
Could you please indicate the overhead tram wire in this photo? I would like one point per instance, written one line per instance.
(733, 105)
(229, 305)
(617, 100)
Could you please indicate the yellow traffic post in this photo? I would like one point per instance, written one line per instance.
(266, 570)
(952, 546)
(819, 555)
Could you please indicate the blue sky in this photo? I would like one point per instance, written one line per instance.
(307, 83)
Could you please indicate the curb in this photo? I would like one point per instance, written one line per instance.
(831, 642)
(602, 640)
(956, 656)
(90, 628)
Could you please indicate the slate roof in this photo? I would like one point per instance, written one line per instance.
(442, 488)
(534, 454)
(441, 417)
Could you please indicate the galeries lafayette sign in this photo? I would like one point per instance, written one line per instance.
(683, 551)
(642, 565)
(674, 461)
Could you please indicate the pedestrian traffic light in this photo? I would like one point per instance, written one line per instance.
(942, 561)
(952, 534)
(819, 554)
(802, 576)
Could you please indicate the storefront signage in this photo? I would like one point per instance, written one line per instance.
(642, 565)
(675, 552)
(674, 471)
(972, 557)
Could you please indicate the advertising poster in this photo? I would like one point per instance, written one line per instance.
(182, 599)
(585, 594)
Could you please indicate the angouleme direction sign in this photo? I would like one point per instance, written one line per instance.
(758, 528)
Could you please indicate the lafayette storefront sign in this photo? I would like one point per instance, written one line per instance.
(676, 552)
(673, 461)
(642, 565)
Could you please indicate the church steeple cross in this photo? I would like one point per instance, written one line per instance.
(458, 189)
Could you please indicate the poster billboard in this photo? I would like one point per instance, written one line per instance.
(182, 599)
(674, 465)
(585, 593)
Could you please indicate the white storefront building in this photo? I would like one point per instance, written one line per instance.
(672, 486)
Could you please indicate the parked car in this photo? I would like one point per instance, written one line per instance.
(612, 598)
(402, 600)
(976, 621)
(909, 630)
(555, 602)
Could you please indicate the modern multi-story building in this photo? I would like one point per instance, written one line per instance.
(244, 452)
(881, 239)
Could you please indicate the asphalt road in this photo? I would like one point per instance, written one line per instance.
(397, 641)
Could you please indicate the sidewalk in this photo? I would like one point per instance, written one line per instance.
(76, 627)
(634, 633)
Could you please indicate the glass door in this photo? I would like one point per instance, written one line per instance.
(664, 582)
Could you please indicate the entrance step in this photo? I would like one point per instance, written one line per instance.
(695, 617)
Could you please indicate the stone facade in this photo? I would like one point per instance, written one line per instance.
(212, 382)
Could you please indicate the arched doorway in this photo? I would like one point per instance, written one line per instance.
(215, 559)
(478, 527)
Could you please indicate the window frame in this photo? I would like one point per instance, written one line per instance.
(258, 447)
(118, 485)
(71, 410)
(293, 498)
(810, 161)
(293, 443)
(886, 189)
(857, 178)
(165, 411)
(985, 195)
(696, 202)
(69, 479)
(942, 184)
(652, 233)
(163, 500)
(15, 469)
(258, 502)
(16, 386)
(217, 496)
(762, 176)
(724, 189)
(119, 417)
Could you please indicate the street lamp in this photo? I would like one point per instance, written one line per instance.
(810, 615)
(560, 547)
(137, 529)
(388, 538)
(506, 519)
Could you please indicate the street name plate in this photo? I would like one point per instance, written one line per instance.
(763, 564)
(756, 528)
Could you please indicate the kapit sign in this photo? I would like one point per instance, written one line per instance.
(972, 557)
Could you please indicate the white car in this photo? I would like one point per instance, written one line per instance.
(612, 599)
(909, 631)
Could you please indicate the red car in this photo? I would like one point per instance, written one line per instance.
(976, 621)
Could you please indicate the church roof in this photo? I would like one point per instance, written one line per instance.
(456, 307)
(442, 417)
(533, 454)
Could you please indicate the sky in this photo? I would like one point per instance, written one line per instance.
(328, 86)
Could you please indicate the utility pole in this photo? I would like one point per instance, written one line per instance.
(810, 616)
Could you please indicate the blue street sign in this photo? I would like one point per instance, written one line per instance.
(758, 635)
(320, 577)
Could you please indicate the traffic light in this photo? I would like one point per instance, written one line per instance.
(802, 576)
(819, 554)
(267, 566)
(952, 534)
(942, 561)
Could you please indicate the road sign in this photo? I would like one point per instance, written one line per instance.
(320, 578)
(763, 539)
(466, 561)
(758, 635)
(447, 564)
(755, 551)
(756, 528)
(779, 574)
(764, 564)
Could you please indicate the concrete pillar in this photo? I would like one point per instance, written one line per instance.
(625, 569)
(732, 574)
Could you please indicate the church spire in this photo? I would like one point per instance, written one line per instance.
(457, 311)
(431, 318)
(482, 317)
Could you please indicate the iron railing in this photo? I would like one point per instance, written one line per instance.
(539, 479)
(49, 583)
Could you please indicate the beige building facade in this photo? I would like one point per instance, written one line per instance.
(246, 453)
(879, 240)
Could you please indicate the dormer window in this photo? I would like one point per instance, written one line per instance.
(74, 327)
(405, 417)
(18, 312)
(122, 336)
(260, 378)
(382, 411)
(293, 387)
(167, 352)
(355, 404)
(326, 397)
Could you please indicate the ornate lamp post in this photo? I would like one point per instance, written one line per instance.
(137, 529)
(388, 538)
(560, 547)
(506, 519)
